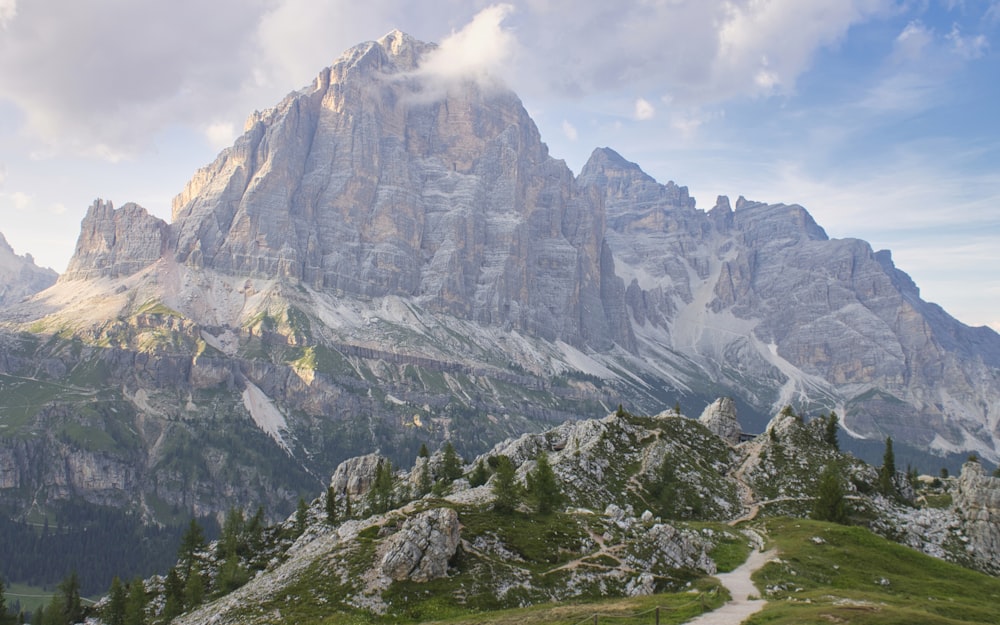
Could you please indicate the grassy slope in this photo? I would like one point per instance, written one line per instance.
(853, 576)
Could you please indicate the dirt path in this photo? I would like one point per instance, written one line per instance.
(740, 587)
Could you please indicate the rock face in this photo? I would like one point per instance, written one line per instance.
(116, 243)
(977, 500)
(421, 549)
(355, 476)
(20, 277)
(720, 418)
(388, 263)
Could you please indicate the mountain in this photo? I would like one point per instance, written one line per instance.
(645, 505)
(383, 260)
(20, 277)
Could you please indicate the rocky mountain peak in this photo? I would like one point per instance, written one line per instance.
(116, 243)
(20, 276)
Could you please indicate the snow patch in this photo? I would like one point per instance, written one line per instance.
(265, 414)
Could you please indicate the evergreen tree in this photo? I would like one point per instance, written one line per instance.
(194, 588)
(424, 481)
(174, 591)
(6, 615)
(544, 486)
(480, 474)
(380, 496)
(347, 505)
(72, 605)
(830, 431)
(192, 542)
(231, 575)
(451, 464)
(135, 606)
(664, 491)
(423, 453)
(301, 517)
(830, 504)
(887, 474)
(331, 505)
(506, 493)
(114, 612)
(232, 533)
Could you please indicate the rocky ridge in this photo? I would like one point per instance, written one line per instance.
(374, 267)
(451, 544)
(20, 277)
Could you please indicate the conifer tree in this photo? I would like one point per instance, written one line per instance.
(887, 474)
(4, 620)
(380, 496)
(192, 542)
(480, 474)
(194, 588)
(301, 517)
(830, 504)
(424, 481)
(830, 431)
(451, 464)
(506, 493)
(174, 592)
(544, 486)
(114, 612)
(331, 505)
(69, 593)
(135, 607)
(423, 452)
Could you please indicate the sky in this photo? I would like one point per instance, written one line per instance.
(881, 117)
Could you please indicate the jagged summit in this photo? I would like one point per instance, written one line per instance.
(379, 261)
(20, 277)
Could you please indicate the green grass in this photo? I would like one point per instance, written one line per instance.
(850, 575)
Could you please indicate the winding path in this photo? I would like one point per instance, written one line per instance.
(737, 609)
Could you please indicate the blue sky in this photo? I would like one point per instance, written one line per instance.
(879, 116)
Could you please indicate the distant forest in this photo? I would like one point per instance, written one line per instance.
(94, 541)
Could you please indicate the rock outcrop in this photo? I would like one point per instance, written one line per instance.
(421, 549)
(20, 277)
(720, 418)
(354, 477)
(977, 500)
(115, 243)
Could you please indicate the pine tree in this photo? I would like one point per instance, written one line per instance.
(830, 504)
(544, 486)
(424, 481)
(887, 474)
(380, 496)
(6, 618)
(331, 505)
(72, 605)
(174, 591)
(301, 517)
(232, 533)
(480, 474)
(451, 464)
(194, 588)
(506, 493)
(423, 453)
(114, 612)
(830, 431)
(135, 607)
(192, 542)
(664, 491)
(231, 575)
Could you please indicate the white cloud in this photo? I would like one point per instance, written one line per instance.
(8, 10)
(569, 130)
(220, 134)
(911, 43)
(481, 52)
(644, 110)
(968, 48)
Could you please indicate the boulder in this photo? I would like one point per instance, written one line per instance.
(421, 549)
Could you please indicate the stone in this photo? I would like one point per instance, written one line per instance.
(421, 549)
(720, 418)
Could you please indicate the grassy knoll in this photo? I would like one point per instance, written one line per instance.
(834, 574)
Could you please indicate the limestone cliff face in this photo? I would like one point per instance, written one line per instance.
(761, 292)
(977, 500)
(363, 184)
(116, 243)
(20, 277)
